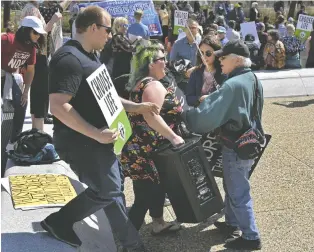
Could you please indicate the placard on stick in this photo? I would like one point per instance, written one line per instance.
(180, 19)
(110, 105)
(304, 27)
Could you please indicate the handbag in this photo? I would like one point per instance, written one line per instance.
(249, 144)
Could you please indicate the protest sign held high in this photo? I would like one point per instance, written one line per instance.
(180, 19)
(304, 27)
(128, 7)
(250, 28)
(110, 105)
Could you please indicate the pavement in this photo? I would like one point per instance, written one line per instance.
(282, 189)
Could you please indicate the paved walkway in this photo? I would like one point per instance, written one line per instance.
(282, 188)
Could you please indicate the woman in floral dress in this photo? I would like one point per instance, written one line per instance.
(149, 133)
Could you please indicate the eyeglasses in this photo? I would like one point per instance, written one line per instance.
(35, 32)
(108, 29)
(207, 53)
(161, 58)
(222, 58)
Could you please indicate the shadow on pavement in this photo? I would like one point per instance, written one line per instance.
(192, 237)
(30, 242)
(295, 104)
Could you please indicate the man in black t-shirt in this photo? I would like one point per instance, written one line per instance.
(81, 135)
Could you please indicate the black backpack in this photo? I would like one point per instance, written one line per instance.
(31, 142)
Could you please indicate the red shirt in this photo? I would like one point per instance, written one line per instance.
(14, 54)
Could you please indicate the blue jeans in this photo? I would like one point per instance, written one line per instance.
(238, 201)
(97, 166)
(293, 61)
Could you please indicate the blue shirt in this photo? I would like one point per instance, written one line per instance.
(139, 29)
(224, 41)
(183, 50)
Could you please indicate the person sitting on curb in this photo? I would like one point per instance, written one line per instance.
(230, 109)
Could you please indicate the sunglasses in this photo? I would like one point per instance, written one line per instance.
(108, 29)
(125, 26)
(161, 58)
(207, 53)
(35, 32)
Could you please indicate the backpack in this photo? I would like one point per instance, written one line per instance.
(275, 55)
(33, 147)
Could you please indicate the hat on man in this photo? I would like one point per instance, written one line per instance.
(221, 29)
(35, 23)
(234, 46)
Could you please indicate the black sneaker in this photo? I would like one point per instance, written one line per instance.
(243, 244)
(62, 233)
(231, 232)
(224, 227)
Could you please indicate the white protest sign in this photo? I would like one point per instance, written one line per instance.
(180, 19)
(110, 105)
(250, 28)
(304, 27)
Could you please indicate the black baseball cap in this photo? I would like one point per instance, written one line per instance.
(234, 46)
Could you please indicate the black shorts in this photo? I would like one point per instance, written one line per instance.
(39, 97)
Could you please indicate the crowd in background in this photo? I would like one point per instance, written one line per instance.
(138, 66)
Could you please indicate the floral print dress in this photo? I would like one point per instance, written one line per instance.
(135, 156)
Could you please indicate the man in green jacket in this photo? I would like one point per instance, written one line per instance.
(230, 108)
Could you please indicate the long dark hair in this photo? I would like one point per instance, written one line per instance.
(216, 45)
(23, 36)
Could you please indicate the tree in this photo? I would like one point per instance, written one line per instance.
(6, 13)
(291, 12)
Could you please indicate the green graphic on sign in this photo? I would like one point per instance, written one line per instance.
(122, 124)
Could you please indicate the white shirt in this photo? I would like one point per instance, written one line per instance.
(232, 34)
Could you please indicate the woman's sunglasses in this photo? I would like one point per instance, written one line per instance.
(108, 29)
(126, 26)
(207, 53)
(35, 32)
(161, 58)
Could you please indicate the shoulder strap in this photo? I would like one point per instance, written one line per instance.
(78, 54)
(256, 95)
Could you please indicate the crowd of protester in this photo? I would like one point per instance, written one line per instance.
(216, 60)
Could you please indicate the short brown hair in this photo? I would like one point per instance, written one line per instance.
(90, 15)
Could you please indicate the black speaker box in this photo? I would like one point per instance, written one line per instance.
(186, 175)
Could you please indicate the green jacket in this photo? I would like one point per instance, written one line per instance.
(229, 107)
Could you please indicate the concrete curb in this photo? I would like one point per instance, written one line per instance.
(286, 83)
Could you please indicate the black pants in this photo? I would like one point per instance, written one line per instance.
(97, 167)
(39, 89)
(148, 196)
(164, 32)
